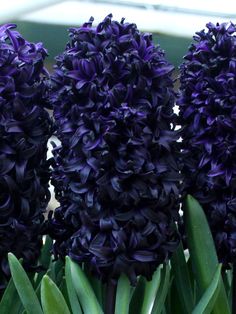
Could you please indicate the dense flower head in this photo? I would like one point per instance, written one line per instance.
(115, 173)
(208, 114)
(24, 130)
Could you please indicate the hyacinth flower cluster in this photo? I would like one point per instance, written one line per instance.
(208, 116)
(25, 127)
(115, 172)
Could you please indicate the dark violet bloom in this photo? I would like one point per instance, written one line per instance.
(208, 116)
(24, 130)
(115, 173)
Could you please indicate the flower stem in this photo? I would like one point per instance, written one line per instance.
(110, 297)
(234, 290)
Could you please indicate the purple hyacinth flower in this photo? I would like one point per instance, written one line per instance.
(25, 127)
(115, 174)
(207, 113)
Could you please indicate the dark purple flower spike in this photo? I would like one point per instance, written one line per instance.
(115, 173)
(25, 127)
(208, 115)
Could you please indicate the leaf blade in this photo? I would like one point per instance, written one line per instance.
(122, 295)
(151, 288)
(24, 286)
(159, 303)
(182, 279)
(52, 299)
(137, 297)
(74, 302)
(206, 303)
(6, 301)
(84, 290)
(202, 252)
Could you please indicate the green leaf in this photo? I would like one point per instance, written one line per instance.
(150, 292)
(182, 279)
(45, 258)
(10, 300)
(230, 280)
(176, 304)
(122, 295)
(202, 252)
(74, 302)
(159, 303)
(84, 291)
(57, 271)
(38, 288)
(168, 301)
(24, 286)
(192, 280)
(227, 279)
(64, 292)
(137, 297)
(104, 291)
(206, 303)
(52, 299)
(95, 283)
(164, 311)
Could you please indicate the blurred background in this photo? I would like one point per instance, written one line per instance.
(172, 22)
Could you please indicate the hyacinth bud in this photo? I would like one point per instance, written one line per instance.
(208, 116)
(24, 130)
(115, 173)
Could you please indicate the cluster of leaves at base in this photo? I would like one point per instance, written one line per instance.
(174, 288)
(115, 173)
(24, 130)
(208, 116)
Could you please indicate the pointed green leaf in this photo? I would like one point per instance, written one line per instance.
(57, 271)
(230, 280)
(24, 286)
(182, 279)
(95, 283)
(45, 256)
(150, 292)
(192, 280)
(137, 297)
(52, 299)
(84, 291)
(74, 302)
(202, 252)
(164, 311)
(159, 303)
(38, 288)
(64, 292)
(206, 303)
(44, 259)
(10, 300)
(227, 279)
(122, 295)
(176, 304)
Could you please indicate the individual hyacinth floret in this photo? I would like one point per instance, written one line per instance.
(24, 130)
(115, 173)
(208, 116)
